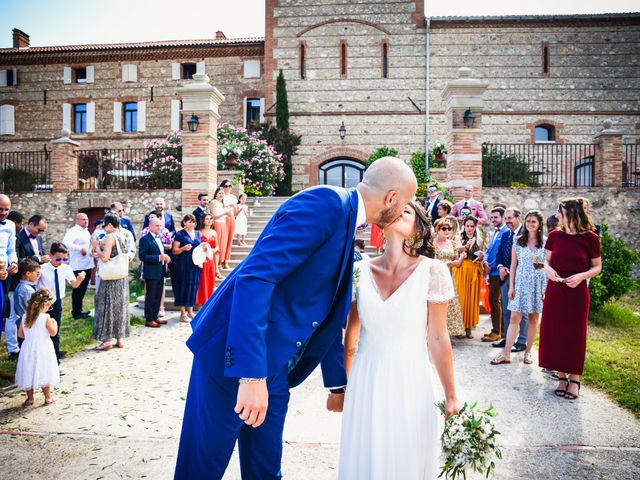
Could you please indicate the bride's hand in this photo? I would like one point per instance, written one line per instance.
(335, 402)
(451, 407)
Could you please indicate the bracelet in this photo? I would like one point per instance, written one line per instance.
(251, 380)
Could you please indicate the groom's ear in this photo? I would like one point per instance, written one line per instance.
(390, 198)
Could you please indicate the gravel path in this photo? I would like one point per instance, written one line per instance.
(118, 415)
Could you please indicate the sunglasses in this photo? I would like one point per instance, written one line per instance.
(60, 259)
(444, 229)
(431, 190)
(226, 186)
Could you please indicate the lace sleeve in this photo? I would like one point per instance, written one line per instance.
(440, 288)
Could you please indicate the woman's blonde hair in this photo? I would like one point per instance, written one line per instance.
(38, 300)
(576, 214)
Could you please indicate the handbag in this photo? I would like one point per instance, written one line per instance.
(117, 267)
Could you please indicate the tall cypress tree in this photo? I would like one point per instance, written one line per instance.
(282, 104)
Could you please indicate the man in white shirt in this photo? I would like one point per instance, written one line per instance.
(7, 250)
(78, 242)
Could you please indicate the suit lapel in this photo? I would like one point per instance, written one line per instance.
(350, 235)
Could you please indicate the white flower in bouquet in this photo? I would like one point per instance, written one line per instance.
(469, 442)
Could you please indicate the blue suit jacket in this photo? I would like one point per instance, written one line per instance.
(506, 244)
(493, 249)
(289, 299)
(149, 254)
(168, 221)
(126, 223)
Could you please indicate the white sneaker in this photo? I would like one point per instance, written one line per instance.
(62, 371)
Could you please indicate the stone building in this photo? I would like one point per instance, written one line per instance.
(358, 64)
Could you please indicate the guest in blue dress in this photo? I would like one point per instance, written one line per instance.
(186, 275)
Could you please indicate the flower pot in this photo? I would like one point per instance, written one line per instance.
(231, 162)
(440, 159)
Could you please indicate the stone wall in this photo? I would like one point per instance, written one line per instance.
(60, 208)
(618, 208)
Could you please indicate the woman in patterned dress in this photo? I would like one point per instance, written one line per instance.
(527, 284)
(446, 252)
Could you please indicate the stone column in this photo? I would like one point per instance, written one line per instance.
(464, 144)
(200, 149)
(64, 163)
(609, 157)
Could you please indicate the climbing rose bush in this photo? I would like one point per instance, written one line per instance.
(261, 166)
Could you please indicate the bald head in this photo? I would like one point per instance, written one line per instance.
(388, 185)
(82, 220)
(5, 206)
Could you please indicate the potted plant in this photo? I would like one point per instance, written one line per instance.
(439, 151)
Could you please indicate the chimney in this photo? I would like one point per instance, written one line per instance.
(220, 35)
(20, 39)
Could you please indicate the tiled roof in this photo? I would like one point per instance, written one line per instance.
(541, 18)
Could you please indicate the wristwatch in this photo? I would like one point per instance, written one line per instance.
(338, 391)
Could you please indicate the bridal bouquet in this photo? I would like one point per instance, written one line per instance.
(469, 441)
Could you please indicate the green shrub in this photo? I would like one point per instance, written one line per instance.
(379, 153)
(617, 264)
(15, 179)
(252, 191)
(502, 170)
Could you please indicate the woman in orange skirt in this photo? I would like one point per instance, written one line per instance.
(219, 214)
(209, 269)
(469, 275)
(231, 204)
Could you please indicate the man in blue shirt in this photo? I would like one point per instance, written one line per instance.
(7, 251)
(28, 273)
(490, 264)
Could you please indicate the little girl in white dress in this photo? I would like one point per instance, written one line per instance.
(242, 220)
(37, 365)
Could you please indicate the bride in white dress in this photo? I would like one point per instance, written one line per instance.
(390, 426)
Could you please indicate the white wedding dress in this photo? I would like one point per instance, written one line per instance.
(390, 425)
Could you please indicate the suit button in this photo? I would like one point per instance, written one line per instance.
(298, 344)
(314, 324)
(228, 363)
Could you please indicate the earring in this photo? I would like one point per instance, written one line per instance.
(415, 243)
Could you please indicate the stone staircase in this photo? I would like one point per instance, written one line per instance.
(257, 221)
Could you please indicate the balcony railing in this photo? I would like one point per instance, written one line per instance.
(631, 166)
(25, 171)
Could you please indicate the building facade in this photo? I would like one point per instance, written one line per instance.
(378, 68)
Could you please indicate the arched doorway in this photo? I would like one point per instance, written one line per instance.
(341, 172)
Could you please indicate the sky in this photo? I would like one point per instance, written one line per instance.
(72, 22)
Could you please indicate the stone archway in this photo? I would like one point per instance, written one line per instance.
(346, 154)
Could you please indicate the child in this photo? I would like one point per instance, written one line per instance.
(28, 273)
(37, 365)
(58, 269)
(358, 251)
(241, 219)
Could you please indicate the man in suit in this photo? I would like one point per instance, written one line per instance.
(490, 264)
(277, 316)
(154, 260)
(201, 209)
(29, 242)
(477, 210)
(118, 210)
(512, 221)
(432, 204)
(167, 218)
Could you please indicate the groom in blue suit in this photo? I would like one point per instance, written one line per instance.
(277, 317)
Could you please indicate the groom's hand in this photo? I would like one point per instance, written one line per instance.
(335, 402)
(253, 399)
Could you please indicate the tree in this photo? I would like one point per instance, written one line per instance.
(282, 103)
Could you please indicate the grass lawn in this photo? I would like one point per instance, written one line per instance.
(613, 351)
(75, 335)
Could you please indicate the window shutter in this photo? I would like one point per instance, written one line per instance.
(3, 78)
(261, 110)
(117, 116)
(67, 75)
(90, 74)
(200, 67)
(142, 110)
(244, 112)
(175, 115)
(66, 116)
(175, 71)
(129, 73)
(7, 120)
(91, 117)
(251, 69)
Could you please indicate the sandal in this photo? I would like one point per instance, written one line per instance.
(104, 346)
(49, 401)
(27, 403)
(184, 319)
(572, 396)
(468, 333)
(528, 358)
(191, 314)
(500, 359)
(219, 277)
(119, 344)
(561, 392)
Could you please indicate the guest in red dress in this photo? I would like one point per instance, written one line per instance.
(573, 256)
(209, 269)
(377, 238)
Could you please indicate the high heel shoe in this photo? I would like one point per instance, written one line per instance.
(572, 396)
(561, 392)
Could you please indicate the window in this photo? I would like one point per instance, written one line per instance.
(544, 133)
(130, 110)
(546, 63)
(7, 120)
(303, 60)
(188, 70)
(129, 73)
(583, 172)
(253, 110)
(343, 59)
(8, 77)
(341, 172)
(251, 69)
(385, 60)
(80, 118)
(80, 75)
